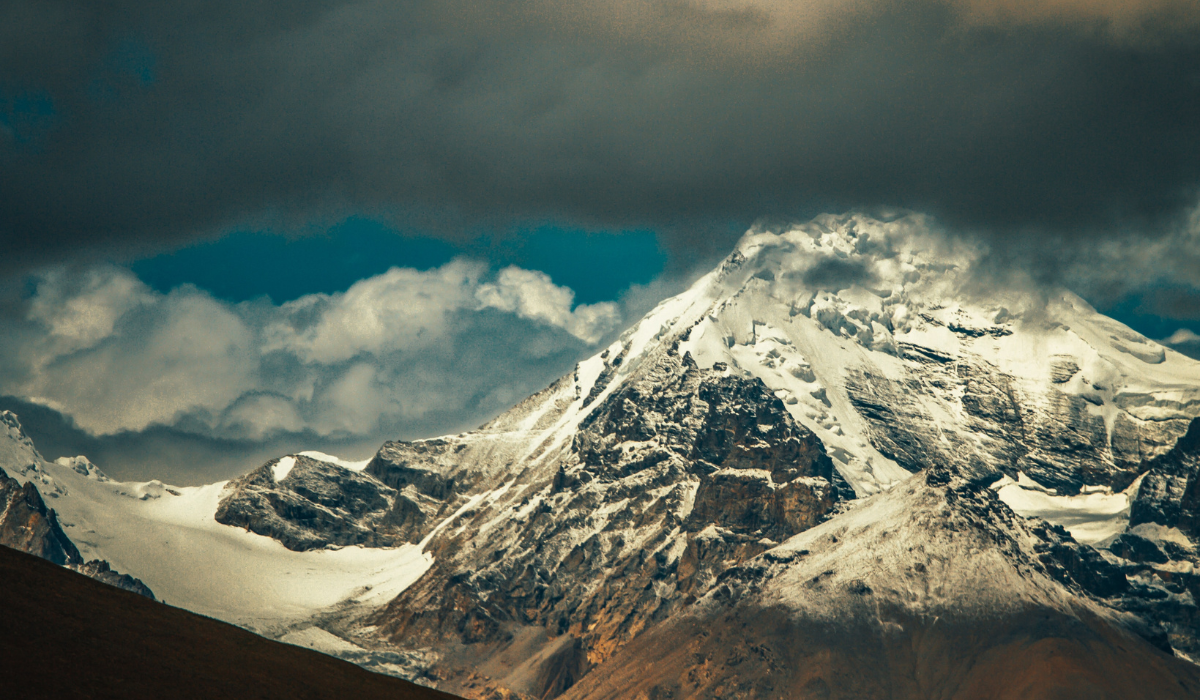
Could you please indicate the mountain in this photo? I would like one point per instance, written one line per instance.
(28, 525)
(843, 462)
(931, 590)
(65, 636)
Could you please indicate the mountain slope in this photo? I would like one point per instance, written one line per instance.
(930, 590)
(28, 525)
(65, 636)
(612, 521)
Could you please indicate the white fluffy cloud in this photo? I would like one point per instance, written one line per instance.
(531, 295)
(78, 313)
(1183, 336)
(402, 309)
(167, 356)
(391, 350)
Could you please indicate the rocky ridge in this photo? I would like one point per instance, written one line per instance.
(668, 482)
(934, 589)
(305, 503)
(1158, 554)
(28, 525)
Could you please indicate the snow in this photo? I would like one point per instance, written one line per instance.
(174, 544)
(1091, 517)
(281, 468)
(802, 341)
(322, 457)
(756, 314)
(318, 639)
(881, 540)
(18, 457)
(589, 370)
(82, 465)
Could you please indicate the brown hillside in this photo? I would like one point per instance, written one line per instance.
(63, 635)
(1039, 655)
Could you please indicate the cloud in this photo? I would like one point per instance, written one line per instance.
(530, 294)
(835, 274)
(1008, 120)
(79, 312)
(402, 309)
(1185, 341)
(1124, 19)
(1183, 336)
(1106, 268)
(395, 352)
(173, 354)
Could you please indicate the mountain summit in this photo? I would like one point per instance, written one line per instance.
(837, 466)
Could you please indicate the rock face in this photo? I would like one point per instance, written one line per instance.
(102, 572)
(714, 418)
(668, 482)
(1162, 563)
(1169, 494)
(750, 502)
(28, 525)
(414, 466)
(1056, 438)
(308, 504)
(935, 589)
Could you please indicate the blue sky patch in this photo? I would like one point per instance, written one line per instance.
(598, 266)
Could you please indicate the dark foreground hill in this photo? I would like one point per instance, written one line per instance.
(63, 635)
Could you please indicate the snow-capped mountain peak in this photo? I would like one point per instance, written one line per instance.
(786, 397)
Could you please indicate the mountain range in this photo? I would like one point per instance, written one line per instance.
(846, 463)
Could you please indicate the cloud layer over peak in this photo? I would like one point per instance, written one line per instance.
(132, 126)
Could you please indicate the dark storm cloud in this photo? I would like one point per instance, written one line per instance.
(836, 274)
(1175, 303)
(131, 125)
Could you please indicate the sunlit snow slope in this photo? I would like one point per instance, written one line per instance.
(168, 535)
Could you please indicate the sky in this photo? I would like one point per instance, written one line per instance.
(231, 230)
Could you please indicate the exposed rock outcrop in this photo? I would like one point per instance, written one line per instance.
(1169, 494)
(309, 504)
(28, 525)
(1161, 564)
(1055, 438)
(100, 570)
(748, 501)
(672, 479)
(401, 465)
(932, 590)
